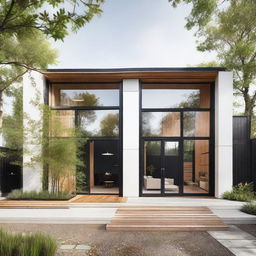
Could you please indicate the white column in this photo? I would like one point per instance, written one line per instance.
(131, 137)
(223, 133)
(33, 87)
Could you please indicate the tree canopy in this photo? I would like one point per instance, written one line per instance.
(228, 27)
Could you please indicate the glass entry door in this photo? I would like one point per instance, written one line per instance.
(161, 167)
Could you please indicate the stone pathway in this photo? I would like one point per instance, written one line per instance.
(75, 247)
(237, 241)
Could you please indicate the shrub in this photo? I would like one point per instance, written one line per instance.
(36, 244)
(241, 192)
(249, 208)
(42, 195)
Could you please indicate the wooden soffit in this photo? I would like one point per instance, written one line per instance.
(151, 76)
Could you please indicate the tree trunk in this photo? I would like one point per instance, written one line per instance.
(249, 103)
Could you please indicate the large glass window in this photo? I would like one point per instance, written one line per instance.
(89, 97)
(98, 122)
(152, 167)
(196, 166)
(175, 96)
(162, 124)
(84, 95)
(62, 123)
(196, 124)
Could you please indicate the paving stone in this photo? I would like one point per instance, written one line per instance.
(67, 246)
(243, 251)
(238, 243)
(230, 235)
(83, 247)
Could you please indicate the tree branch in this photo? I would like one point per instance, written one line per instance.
(16, 63)
(8, 13)
(13, 80)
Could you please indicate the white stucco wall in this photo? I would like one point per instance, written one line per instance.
(131, 137)
(32, 175)
(223, 133)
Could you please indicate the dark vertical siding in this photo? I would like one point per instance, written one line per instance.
(253, 157)
(241, 150)
(10, 175)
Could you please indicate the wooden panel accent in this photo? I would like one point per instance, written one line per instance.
(202, 162)
(202, 124)
(165, 218)
(98, 199)
(188, 169)
(33, 204)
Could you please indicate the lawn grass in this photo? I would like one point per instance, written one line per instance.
(241, 192)
(42, 195)
(249, 208)
(36, 244)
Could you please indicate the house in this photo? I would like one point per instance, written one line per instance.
(152, 131)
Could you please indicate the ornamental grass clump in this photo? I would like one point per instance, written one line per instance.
(241, 192)
(36, 244)
(41, 195)
(249, 208)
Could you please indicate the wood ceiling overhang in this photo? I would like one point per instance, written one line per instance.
(188, 75)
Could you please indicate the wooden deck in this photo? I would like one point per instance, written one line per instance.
(98, 199)
(33, 204)
(165, 218)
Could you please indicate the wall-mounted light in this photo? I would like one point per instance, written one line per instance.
(107, 154)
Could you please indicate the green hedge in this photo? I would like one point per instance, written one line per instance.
(241, 192)
(36, 244)
(249, 208)
(42, 195)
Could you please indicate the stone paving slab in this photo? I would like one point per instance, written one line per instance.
(83, 247)
(243, 251)
(239, 242)
(231, 235)
(73, 246)
(67, 247)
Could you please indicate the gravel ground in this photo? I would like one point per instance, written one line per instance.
(127, 243)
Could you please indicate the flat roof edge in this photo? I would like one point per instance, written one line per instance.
(121, 70)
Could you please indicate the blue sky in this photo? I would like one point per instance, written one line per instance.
(133, 33)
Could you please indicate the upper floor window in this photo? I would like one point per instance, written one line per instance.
(175, 96)
(87, 95)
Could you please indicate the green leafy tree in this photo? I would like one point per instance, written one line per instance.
(109, 125)
(229, 28)
(24, 26)
(61, 147)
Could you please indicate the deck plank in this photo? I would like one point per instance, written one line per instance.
(165, 218)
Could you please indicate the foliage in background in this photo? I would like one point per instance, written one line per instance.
(61, 147)
(241, 192)
(25, 27)
(42, 195)
(18, 54)
(228, 27)
(36, 244)
(12, 129)
(249, 208)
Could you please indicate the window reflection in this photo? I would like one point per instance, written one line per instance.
(152, 167)
(73, 97)
(196, 166)
(196, 124)
(163, 124)
(99, 122)
(171, 98)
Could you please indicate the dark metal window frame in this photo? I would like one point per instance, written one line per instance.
(95, 138)
(181, 139)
